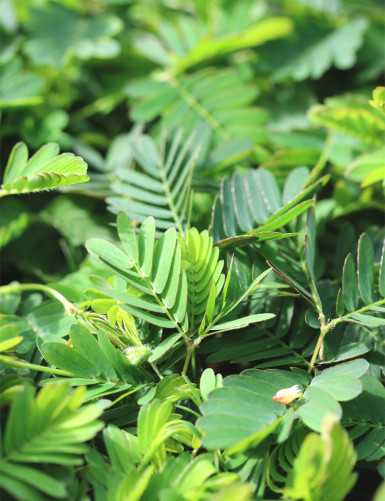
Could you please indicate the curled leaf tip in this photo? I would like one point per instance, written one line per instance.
(287, 395)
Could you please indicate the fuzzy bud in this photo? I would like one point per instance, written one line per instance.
(137, 355)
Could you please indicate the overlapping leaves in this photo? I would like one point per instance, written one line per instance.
(142, 464)
(163, 189)
(242, 412)
(207, 96)
(152, 269)
(360, 122)
(186, 43)
(365, 419)
(323, 467)
(93, 361)
(360, 295)
(49, 429)
(172, 282)
(255, 204)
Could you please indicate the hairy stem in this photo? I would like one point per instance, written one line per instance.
(20, 364)
(70, 308)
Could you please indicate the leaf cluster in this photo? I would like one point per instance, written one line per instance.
(192, 300)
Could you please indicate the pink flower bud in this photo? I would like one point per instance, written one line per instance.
(287, 395)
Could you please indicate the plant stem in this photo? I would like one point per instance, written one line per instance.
(70, 308)
(155, 368)
(190, 350)
(20, 364)
(325, 328)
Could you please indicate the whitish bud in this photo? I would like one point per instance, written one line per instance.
(287, 395)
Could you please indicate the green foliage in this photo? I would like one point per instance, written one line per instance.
(255, 205)
(18, 88)
(54, 44)
(323, 467)
(164, 190)
(44, 171)
(205, 98)
(49, 429)
(360, 123)
(215, 293)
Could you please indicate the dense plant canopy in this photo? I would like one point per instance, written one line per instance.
(193, 293)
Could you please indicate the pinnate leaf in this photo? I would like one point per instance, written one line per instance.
(45, 170)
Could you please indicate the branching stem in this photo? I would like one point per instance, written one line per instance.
(326, 327)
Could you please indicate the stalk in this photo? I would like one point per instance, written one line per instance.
(70, 308)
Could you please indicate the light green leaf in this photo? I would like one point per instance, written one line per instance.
(358, 122)
(323, 466)
(180, 306)
(149, 317)
(208, 382)
(211, 304)
(35, 478)
(275, 223)
(50, 429)
(257, 34)
(163, 258)
(378, 101)
(44, 171)
(169, 294)
(243, 322)
(340, 305)
(108, 253)
(146, 240)
(368, 168)
(127, 236)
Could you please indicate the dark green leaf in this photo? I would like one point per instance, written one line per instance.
(68, 359)
(317, 404)
(164, 346)
(381, 284)
(365, 267)
(350, 284)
